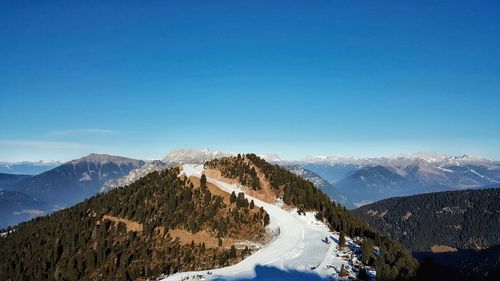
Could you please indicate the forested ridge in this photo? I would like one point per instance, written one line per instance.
(394, 263)
(236, 167)
(86, 242)
(465, 219)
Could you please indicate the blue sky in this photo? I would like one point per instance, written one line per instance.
(297, 78)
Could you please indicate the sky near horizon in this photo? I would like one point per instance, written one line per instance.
(296, 78)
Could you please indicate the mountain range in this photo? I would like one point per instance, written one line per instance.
(364, 180)
(28, 167)
(183, 224)
(27, 196)
(351, 182)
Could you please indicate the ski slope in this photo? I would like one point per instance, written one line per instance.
(297, 246)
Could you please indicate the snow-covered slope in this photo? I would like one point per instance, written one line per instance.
(298, 249)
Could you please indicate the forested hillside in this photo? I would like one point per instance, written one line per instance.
(129, 233)
(394, 263)
(466, 219)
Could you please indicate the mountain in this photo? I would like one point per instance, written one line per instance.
(135, 174)
(28, 167)
(191, 156)
(78, 179)
(16, 207)
(173, 220)
(373, 183)
(320, 183)
(449, 232)
(354, 181)
(364, 180)
(161, 224)
(7, 181)
(333, 168)
(468, 219)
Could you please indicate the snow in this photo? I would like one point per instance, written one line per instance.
(297, 252)
(192, 156)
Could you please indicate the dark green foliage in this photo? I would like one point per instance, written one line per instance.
(203, 181)
(462, 265)
(232, 198)
(241, 202)
(363, 275)
(266, 219)
(431, 270)
(232, 252)
(461, 219)
(341, 239)
(79, 244)
(367, 252)
(236, 167)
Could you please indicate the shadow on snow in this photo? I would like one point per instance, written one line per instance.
(269, 273)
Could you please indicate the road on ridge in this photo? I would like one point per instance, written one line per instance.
(281, 253)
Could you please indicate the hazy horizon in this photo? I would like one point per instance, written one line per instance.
(417, 154)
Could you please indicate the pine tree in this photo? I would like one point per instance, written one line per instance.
(232, 198)
(266, 219)
(203, 181)
(232, 252)
(342, 239)
(367, 253)
(363, 275)
(252, 204)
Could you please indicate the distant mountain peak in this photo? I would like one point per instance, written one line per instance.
(429, 157)
(332, 160)
(271, 157)
(193, 156)
(104, 158)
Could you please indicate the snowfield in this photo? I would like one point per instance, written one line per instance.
(297, 252)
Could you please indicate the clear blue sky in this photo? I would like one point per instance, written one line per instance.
(362, 78)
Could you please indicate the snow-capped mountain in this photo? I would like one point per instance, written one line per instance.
(364, 180)
(191, 156)
(28, 167)
(271, 157)
(149, 167)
